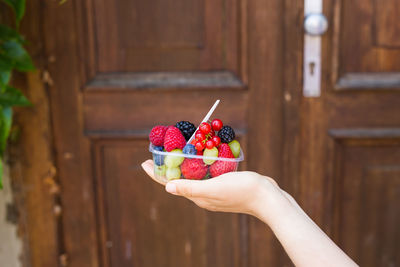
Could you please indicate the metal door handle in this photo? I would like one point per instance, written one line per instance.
(315, 25)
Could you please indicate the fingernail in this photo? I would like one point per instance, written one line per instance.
(171, 188)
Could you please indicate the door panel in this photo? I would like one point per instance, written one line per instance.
(366, 51)
(159, 62)
(120, 68)
(368, 188)
(146, 227)
(349, 170)
(167, 35)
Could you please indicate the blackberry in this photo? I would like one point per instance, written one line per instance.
(227, 134)
(186, 128)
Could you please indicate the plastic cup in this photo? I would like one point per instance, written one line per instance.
(165, 171)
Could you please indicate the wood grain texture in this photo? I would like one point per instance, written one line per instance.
(31, 158)
(171, 80)
(265, 70)
(346, 134)
(125, 111)
(361, 60)
(150, 222)
(369, 180)
(386, 26)
(369, 81)
(34, 178)
(292, 97)
(167, 35)
(73, 154)
(100, 230)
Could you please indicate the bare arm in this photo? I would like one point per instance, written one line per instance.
(260, 196)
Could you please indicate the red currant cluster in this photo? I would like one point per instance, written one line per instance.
(205, 136)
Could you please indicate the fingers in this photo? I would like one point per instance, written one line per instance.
(148, 167)
(191, 188)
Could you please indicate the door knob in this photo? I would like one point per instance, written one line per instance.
(315, 24)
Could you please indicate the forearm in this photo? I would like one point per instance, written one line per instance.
(305, 243)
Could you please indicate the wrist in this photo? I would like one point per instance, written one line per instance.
(271, 203)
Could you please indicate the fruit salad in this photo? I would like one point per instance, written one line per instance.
(211, 152)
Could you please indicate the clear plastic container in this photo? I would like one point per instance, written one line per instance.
(169, 166)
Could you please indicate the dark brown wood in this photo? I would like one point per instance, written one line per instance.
(118, 68)
(292, 96)
(265, 73)
(369, 179)
(31, 155)
(149, 221)
(387, 30)
(34, 177)
(187, 35)
(73, 153)
(113, 214)
(368, 81)
(171, 80)
(349, 139)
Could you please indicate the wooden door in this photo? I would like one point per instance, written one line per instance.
(348, 140)
(120, 67)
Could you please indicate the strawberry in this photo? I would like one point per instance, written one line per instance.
(193, 169)
(174, 139)
(157, 134)
(224, 151)
(220, 167)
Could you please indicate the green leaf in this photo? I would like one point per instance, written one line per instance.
(1, 174)
(13, 97)
(6, 64)
(14, 51)
(4, 78)
(5, 126)
(6, 33)
(19, 8)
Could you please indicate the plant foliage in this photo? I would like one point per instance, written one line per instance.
(13, 56)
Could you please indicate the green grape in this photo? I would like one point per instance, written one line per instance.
(173, 173)
(213, 152)
(235, 148)
(159, 170)
(174, 161)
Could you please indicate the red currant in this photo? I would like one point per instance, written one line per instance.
(216, 140)
(200, 146)
(212, 133)
(200, 136)
(217, 124)
(205, 127)
(210, 144)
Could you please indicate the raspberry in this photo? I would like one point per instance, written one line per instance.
(193, 169)
(187, 128)
(174, 139)
(227, 134)
(157, 135)
(220, 167)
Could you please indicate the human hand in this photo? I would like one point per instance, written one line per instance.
(243, 192)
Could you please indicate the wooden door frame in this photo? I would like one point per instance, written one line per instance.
(274, 62)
